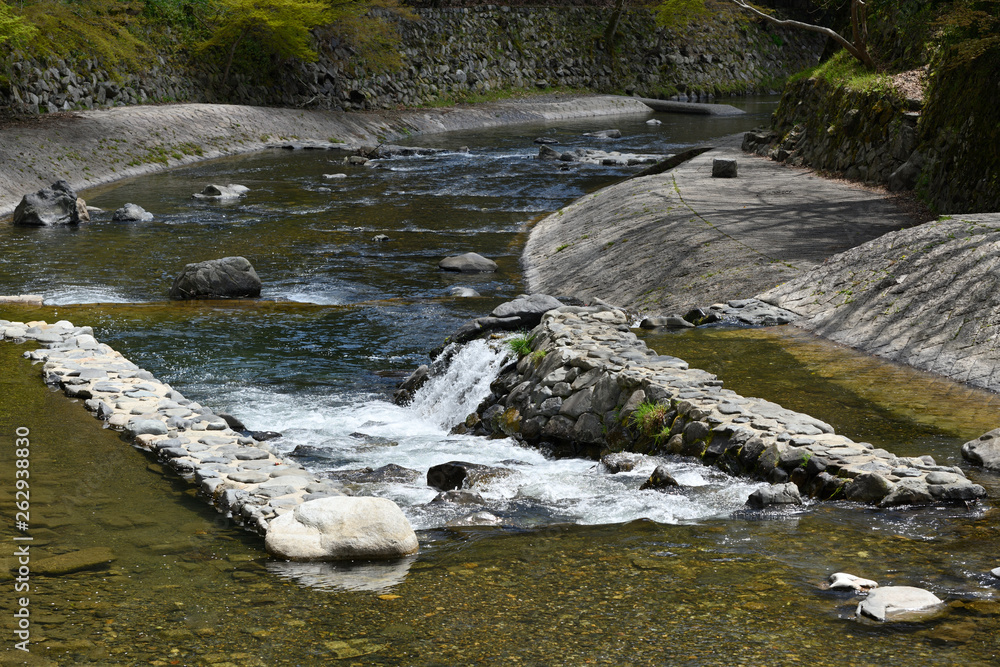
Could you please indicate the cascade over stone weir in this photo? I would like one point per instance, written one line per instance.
(588, 376)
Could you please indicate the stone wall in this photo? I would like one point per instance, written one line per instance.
(864, 135)
(939, 145)
(590, 386)
(448, 54)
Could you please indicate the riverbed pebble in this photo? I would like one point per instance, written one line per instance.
(236, 474)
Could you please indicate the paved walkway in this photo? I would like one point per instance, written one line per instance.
(666, 243)
(94, 147)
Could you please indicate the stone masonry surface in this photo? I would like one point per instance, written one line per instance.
(236, 474)
(447, 53)
(925, 296)
(588, 376)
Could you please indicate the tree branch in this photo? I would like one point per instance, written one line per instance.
(857, 50)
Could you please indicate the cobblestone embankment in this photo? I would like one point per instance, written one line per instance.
(588, 379)
(238, 475)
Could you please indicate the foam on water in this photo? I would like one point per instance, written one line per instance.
(340, 432)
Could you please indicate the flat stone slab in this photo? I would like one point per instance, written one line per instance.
(899, 603)
(75, 561)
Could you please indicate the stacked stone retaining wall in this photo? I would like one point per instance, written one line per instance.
(590, 385)
(448, 54)
(866, 135)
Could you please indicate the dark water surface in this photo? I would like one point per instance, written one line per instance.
(580, 575)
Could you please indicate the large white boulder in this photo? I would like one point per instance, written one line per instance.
(342, 528)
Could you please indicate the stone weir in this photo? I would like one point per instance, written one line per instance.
(302, 516)
(588, 384)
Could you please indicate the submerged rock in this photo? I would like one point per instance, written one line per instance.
(222, 192)
(131, 213)
(463, 292)
(604, 134)
(899, 603)
(55, 205)
(984, 450)
(75, 561)
(226, 278)
(475, 519)
(342, 528)
(470, 262)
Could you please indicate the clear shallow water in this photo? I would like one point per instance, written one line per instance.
(581, 573)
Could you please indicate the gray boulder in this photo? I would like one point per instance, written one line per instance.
(660, 480)
(984, 450)
(470, 262)
(463, 475)
(529, 308)
(775, 495)
(222, 192)
(547, 153)
(898, 603)
(619, 462)
(131, 213)
(342, 528)
(55, 205)
(226, 278)
(604, 134)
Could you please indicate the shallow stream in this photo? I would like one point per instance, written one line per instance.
(587, 569)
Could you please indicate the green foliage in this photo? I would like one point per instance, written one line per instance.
(680, 13)
(101, 29)
(968, 30)
(650, 418)
(374, 38)
(845, 71)
(14, 29)
(277, 28)
(521, 343)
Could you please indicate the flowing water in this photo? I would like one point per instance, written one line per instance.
(585, 569)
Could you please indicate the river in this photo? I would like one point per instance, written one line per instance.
(585, 567)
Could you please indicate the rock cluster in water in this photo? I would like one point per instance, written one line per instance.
(589, 386)
(55, 205)
(237, 474)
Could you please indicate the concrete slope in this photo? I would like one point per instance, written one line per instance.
(669, 242)
(928, 297)
(94, 147)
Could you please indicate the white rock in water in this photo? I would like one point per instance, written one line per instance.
(995, 572)
(333, 177)
(893, 603)
(231, 191)
(342, 528)
(653, 121)
(844, 581)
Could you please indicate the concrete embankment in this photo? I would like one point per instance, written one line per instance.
(683, 239)
(925, 296)
(589, 384)
(90, 148)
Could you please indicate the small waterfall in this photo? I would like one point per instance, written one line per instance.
(448, 398)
